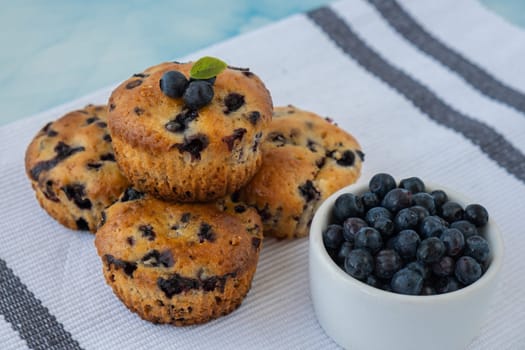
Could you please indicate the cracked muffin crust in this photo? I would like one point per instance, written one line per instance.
(305, 159)
(182, 154)
(179, 263)
(72, 168)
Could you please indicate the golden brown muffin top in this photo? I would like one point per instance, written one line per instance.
(72, 160)
(139, 111)
(151, 238)
(306, 158)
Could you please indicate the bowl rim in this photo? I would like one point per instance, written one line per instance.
(316, 243)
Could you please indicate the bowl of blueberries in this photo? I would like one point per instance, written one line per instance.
(402, 265)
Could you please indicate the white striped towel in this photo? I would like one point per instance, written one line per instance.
(433, 89)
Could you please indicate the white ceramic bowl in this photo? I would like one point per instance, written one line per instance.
(361, 317)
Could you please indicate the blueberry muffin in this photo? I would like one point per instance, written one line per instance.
(187, 152)
(179, 263)
(305, 159)
(72, 168)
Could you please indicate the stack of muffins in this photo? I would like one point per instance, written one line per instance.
(179, 182)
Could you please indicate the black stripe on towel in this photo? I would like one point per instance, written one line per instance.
(29, 317)
(473, 74)
(493, 144)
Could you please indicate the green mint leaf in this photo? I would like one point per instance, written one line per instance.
(207, 67)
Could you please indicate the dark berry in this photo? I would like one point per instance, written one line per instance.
(451, 211)
(131, 194)
(387, 262)
(375, 213)
(370, 200)
(369, 238)
(343, 252)
(198, 94)
(440, 198)
(346, 206)
(373, 281)
(454, 241)
(478, 248)
(421, 213)
(431, 226)
(238, 134)
(397, 199)
(476, 214)
(406, 243)
(173, 84)
(307, 190)
(412, 184)
(406, 219)
(428, 290)
(447, 284)
(181, 121)
(444, 266)
(385, 227)
(333, 236)
(467, 270)
(347, 158)
(466, 227)
(351, 226)
(206, 233)
(194, 145)
(420, 268)
(381, 184)
(233, 102)
(430, 250)
(407, 281)
(426, 201)
(359, 264)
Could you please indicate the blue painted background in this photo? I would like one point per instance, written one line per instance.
(55, 51)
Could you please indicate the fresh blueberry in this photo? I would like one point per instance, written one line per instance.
(406, 219)
(173, 84)
(375, 213)
(368, 238)
(373, 281)
(420, 268)
(440, 197)
(412, 184)
(406, 243)
(351, 226)
(346, 206)
(385, 227)
(444, 266)
(478, 248)
(452, 211)
(407, 281)
(370, 200)
(466, 227)
(431, 226)
(359, 264)
(198, 94)
(346, 248)
(430, 250)
(387, 262)
(421, 213)
(428, 290)
(467, 270)
(476, 214)
(426, 201)
(333, 236)
(397, 199)
(454, 241)
(447, 284)
(381, 184)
